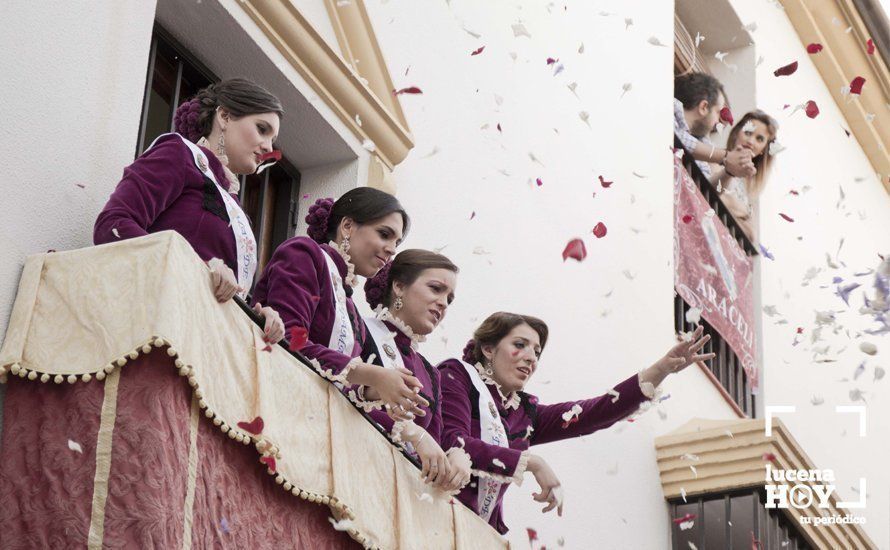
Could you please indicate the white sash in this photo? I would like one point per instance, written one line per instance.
(342, 336)
(383, 337)
(492, 432)
(245, 243)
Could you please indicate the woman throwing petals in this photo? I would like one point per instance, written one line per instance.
(486, 412)
(411, 296)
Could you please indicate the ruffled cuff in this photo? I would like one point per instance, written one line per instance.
(648, 389)
(461, 451)
(517, 476)
(365, 403)
(336, 377)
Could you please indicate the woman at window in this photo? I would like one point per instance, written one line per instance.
(486, 411)
(411, 296)
(186, 182)
(755, 132)
(309, 281)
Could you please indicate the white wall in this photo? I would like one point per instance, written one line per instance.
(820, 157)
(522, 228)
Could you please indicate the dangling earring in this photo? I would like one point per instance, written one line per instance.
(398, 305)
(344, 245)
(221, 148)
(489, 370)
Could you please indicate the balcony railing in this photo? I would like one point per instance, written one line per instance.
(726, 366)
(146, 414)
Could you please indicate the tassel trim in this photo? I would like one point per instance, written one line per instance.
(267, 449)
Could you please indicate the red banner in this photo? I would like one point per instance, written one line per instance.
(713, 274)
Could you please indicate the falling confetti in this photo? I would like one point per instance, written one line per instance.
(370, 146)
(726, 115)
(408, 90)
(532, 534)
(499, 463)
(693, 315)
(520, 30)
(765, 251)
(599, 230)
(786, 217)
(269, 461)
(626, 87)
(856, 85)
(478, 50)
(344, 524)
(571, 416)
(868, 348)
(116, 234)
(811, 109)
(75, 446)
(425, 497)
(817, 400)
(255, 426)
(299, 336)
(628, 22)
(575, 250)
(814, 48)
(870, 46)
(539, 181)
(605, 183)
(655, 41)
(787, 70)
(615, 395)
(879, 374)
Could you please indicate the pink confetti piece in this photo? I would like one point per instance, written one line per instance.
(575, 250)
(255, 426)
(815, 47)
(408, 90)
(539, 181)
(599, 230)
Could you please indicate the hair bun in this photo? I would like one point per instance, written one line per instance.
(185, 121)
(317, 219)
(375, 287)
(469, 354)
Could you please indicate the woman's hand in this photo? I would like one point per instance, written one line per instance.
(222, 280)
(397, 388)
(678, 358)
(434, 463)
(459, 465)
(551, 490)
(274, 326)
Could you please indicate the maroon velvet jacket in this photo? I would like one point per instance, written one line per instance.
(531, 423)
(423, 371)
(296, 284)
(163, 189)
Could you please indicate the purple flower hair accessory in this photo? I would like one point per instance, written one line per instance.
(375, 287)
(469, 354)
(317, 219)
(185, 121)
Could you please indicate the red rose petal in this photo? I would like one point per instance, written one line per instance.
(575, 250)
(478, 50)
(255, 426)
(600, 230)
(409, 90)
(768, 457)
(800, 330)
(726, 115)
(269, 461)
(687, 218)
(532, 534)
(856, 85)
(539, 182)
(793, 192)
(270, 155)
(499, 127)
(268, 348)
(551, 61)
(298, 338)
(605, 183)
(786, 217)
(815, 47)
(684, 519)
(812, 110)
(473, 215)
(788, 69)
(870, 46)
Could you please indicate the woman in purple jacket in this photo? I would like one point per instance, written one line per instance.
(309, 280)
(186, 182)
(411, 296)
(485, 410)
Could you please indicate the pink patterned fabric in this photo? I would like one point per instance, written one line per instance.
(46, 489)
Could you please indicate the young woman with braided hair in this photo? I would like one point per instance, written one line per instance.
(410, 296)
(186, 182)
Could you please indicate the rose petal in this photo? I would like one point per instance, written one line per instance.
(786, 217)
(269, 461)
(687, 218)
(408, 90)
(811, 109)
(684, 519)
(255, 426)
(856, 85)
(605, 183)
(551, 61)
(478, 50)
(599, 230)
(575, 250)
(870, 46)
(539, 181)
(270, 155)
(814, 48)
(768, 457)
(726, 115)
(298, 338)
(787, 70)
(532, 534)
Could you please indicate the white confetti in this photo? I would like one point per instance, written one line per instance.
(693, 315)
(615, 395)
(75, 446)
(584, 116)
(520, 30)
(358, 120)
(750, 27)
(628, 22)
(817, 400)
(690, 456)
(116, 234)
(369, 145)
(683, 493)
(655, 42)
(425, 497)
(721, 56)
(699, 38)
(572, 413)
(879, 373)
(868, 348)
(499, 463)
(342, 525)
(581, 48)
(626, 87)
(687, 525)
(694, 471)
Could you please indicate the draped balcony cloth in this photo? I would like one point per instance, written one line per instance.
(127, 384)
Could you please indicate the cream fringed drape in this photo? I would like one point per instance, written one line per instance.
(83, 314)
